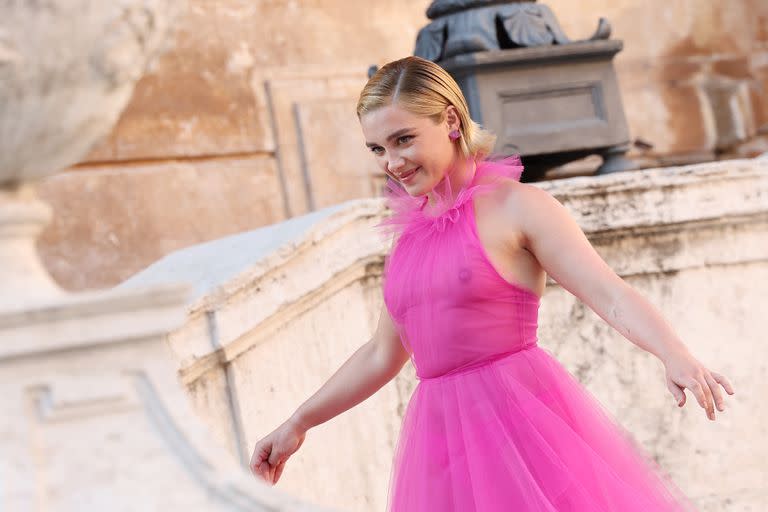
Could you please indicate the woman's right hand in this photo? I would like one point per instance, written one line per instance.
(272, 451)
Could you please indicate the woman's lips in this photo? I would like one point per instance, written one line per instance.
(408, 176)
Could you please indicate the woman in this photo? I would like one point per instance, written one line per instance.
(495, 422)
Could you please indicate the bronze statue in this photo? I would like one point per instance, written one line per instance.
(467, 26)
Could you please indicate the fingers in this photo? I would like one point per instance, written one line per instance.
(705, 388)
(275, 470)
(259, 464)
(703, 395)
(724, 382)
(256, 460)
(677, 392)
(267, 462)
(279, 471)
(264, 472)
(715, 390)
(275, 461)
(708, 399)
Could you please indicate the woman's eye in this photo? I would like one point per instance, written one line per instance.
(404, 139)
(377, 150)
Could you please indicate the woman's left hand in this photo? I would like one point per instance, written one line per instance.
(685, 371)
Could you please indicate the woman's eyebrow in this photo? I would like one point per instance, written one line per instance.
(391, 136)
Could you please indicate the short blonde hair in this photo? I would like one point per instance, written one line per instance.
(425, 89)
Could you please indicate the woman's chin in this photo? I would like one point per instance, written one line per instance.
(414, 190)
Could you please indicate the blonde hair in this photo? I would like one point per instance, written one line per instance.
(425, 89)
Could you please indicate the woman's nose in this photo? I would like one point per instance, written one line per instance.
(394, 164)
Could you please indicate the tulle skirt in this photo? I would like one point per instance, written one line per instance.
(520, 434)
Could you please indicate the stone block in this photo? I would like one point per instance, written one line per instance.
(111, 222)
(207, 97)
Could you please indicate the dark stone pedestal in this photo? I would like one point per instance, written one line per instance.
(551, 104)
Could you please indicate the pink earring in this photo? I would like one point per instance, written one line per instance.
(454, 135)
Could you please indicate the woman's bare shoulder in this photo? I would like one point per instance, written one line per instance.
(509, 196)
(518, 208)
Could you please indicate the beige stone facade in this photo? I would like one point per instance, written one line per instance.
(250, 118)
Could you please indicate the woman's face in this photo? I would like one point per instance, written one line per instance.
(413, 150)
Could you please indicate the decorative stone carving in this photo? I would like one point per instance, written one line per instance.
(67, 70)
(93, 416)
(466, 26)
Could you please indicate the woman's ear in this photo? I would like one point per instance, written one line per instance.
(452, 118)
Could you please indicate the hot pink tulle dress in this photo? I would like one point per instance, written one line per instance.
(495, 422)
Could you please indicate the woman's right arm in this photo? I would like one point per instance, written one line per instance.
(365, 372)
(374, 364)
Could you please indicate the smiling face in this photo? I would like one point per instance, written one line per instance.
(413, 150)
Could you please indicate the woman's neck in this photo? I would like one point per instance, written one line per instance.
(458, 176)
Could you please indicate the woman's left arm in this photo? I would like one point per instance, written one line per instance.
(562, 248)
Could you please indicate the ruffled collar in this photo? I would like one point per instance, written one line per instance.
(410, 214)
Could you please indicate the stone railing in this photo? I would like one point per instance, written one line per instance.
(93, 417)
(278, 310)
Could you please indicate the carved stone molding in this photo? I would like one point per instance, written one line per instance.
(89, 384)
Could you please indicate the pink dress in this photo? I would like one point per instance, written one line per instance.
(495, 422)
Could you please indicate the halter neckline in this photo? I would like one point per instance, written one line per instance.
(409, 212)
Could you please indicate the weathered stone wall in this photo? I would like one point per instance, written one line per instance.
(250, 120)
(279, 309)
(222, 133)
(693, 74)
